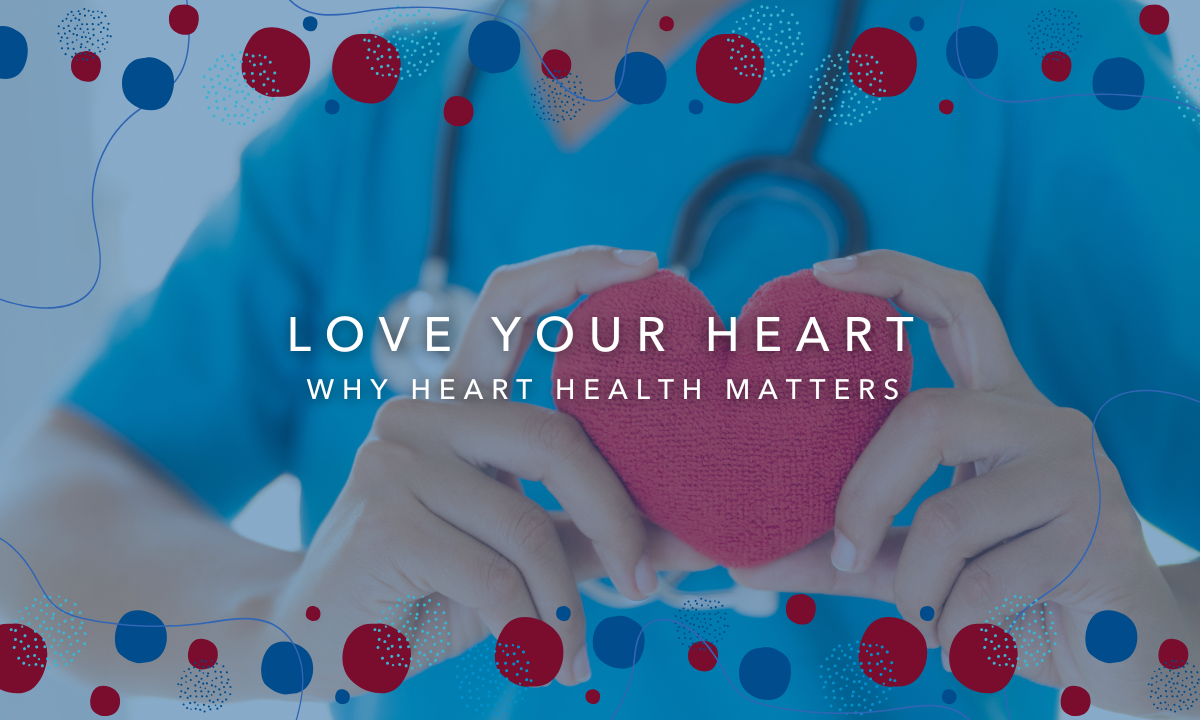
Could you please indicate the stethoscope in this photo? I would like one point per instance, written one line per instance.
(715, 198)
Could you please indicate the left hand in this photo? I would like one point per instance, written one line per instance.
(1016, 519)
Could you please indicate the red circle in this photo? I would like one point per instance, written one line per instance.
(730, 67)
(366, 68)
(946, 107)
(22, 658)
(376, 657)
(105, 701)
(892, 652)
(528, 652)
(592, 696)
(1075, 701)
(275, 62)
(458, 111)
(1173, 654)
(702, 655)
(1056, 65)
(184, 19)
(85, 66)
(313, 613)
(801, 609)
(202, 654)
(883, 62)
(556, 64)
(666, 23)
(983, 657)
(1154, 19)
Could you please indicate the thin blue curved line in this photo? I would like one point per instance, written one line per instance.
(557, 81)
(206, 622)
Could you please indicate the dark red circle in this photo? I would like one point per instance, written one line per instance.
(202, 654)
(376, 657)
(313, 613)
(666, 23)
(983, 657)
(458, 111)
(275, 62)
(1154, 19)
(1056, 65)
(730, 67)
(1075, 701)
(946, 107)
(556, 64)
(883, 62)
(529, 652)
(892, 652)
(592, 696)
(702, 655)
(22, 658)
(366, 67)
(1173, 654)
(801, 609)
(184, 19)
(105, 701)
(85, 66)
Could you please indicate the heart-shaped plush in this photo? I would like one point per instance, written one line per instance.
(744, 481)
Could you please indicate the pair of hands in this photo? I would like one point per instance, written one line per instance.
(433, 508)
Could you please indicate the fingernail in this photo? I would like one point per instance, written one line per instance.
(946, 661)
(647, 579)
(582, 669)
(837, 266)
(843, 554)
(633, 257)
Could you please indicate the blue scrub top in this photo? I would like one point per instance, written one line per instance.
(1076, 217)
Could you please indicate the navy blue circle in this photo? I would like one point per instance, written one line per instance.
(310, 24)
(14, 51)
(494, 46)
(148, 83)
(342, 697)
(563, 613)
(645, 80)
(765, 673)
(977, 48)
(949, 696)
(141, 644)
(917, 23)
(926, 613)
(613, 641)
(279, 669)
(1111, 636)
(332, 106)
(1118, 75)
(696, 107)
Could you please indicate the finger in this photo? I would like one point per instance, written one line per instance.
(667, 552)
(533, 288)
(966, 329)
(928, 428)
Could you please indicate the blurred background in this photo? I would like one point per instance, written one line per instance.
(160, 176)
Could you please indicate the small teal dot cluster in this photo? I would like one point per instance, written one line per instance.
(1187, 88)
(415, 39)
(1174, 690)
(776, 32)
(228, 97)
(64, 635)
(82, 30)
(424, 623)
(845, 686)
(709, 618)
(205, 691)
(480, 686)
(1032, 630)
(845, 104)
(1052, 30)
(555, 104)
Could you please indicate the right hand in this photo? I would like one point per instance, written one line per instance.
(433, 508)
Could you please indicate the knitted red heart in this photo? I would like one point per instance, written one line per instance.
(744, 481)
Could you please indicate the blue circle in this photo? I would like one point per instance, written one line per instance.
(949, 696)
(342, 697)
(148, 83)
(279, 670)
(14, 51)
(926, 613)
(917, 23)
(696, 107)
(1111, 636)
(332, 107)
(563, 613)
(977, 48)
(765, 673)
(494, 46)
(645, 80)
(613, 641)
(310, 24)
(1118, 75)
(141, 644)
